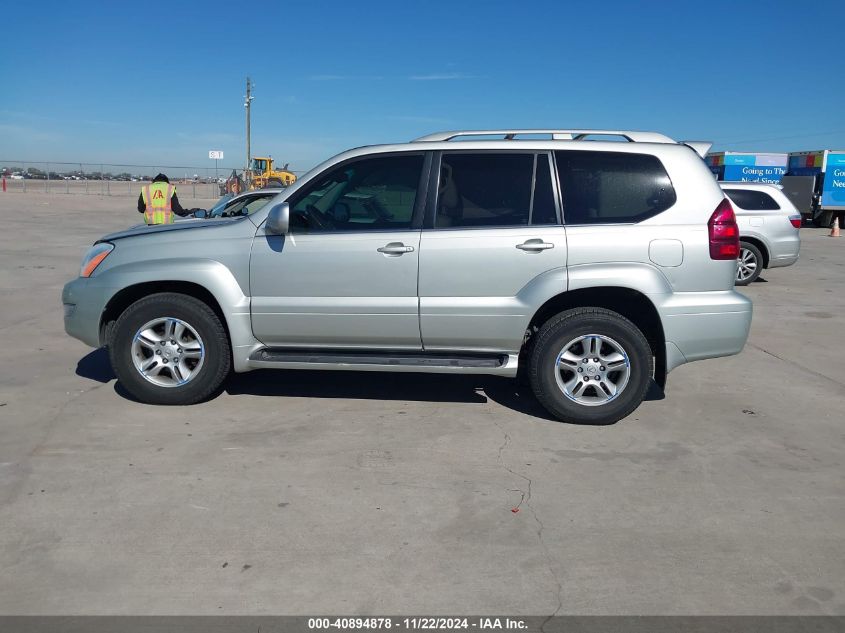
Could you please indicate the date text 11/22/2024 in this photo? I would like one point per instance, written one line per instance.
(418, 623)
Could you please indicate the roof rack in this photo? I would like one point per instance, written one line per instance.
(563, 135)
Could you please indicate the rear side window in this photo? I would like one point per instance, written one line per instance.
(751, 200)
(494, 190)
(612, 187)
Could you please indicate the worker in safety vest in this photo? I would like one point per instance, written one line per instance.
(158, 201)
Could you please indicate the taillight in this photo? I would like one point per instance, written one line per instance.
(723, 232)
(795, 220)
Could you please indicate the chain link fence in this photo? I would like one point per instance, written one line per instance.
(110, 179)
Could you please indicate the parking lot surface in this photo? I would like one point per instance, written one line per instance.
(367, 493)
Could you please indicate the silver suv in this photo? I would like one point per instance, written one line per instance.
(589, 267)
(768, 228)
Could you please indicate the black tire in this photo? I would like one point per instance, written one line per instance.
(274, 183)
(757, 257)
(569, 325)
(217, 359)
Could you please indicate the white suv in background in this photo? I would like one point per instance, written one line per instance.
(768, 228)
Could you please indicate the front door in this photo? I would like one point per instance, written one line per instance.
(346, 274)
(493, 229)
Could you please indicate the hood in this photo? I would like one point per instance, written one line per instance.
(143, 229)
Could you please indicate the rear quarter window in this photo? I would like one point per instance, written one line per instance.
(612, 187)
(751, 200)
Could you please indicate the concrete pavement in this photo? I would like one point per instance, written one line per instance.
(315, 493)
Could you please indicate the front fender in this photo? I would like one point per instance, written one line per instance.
(209, 274)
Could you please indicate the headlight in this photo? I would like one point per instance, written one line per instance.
(94, 257)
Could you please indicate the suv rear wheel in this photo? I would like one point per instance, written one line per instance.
(590, 366)
(169, 348)
(750, 263)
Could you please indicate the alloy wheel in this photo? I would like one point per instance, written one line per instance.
(747, 265)
(167, 352)
(592, 370)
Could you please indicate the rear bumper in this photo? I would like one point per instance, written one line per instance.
(700, 325)
(783, 260)
(784, 250)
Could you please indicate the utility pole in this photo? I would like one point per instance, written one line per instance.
(247, 104)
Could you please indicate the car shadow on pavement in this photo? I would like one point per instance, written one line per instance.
(506, 392)
(355, 385)
(473, 389)
(96, 366)
(387, 386)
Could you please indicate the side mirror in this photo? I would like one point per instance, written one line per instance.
(278, 221)
(200, 213)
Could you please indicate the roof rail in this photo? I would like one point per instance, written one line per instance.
(566, 135)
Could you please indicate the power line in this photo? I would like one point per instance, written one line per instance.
(779, 138)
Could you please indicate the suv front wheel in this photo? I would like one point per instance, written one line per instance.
(590, 366)
(169, 348)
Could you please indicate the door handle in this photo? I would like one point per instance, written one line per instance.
(535, 245)
(395, 248)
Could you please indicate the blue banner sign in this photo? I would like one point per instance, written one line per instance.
(833, 190)
(754, 173)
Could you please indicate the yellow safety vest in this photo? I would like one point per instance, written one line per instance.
(157, 198)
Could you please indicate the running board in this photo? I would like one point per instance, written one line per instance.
(420, 360)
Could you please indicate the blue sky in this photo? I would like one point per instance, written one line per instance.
(163, 83)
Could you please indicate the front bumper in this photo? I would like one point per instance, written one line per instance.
(699, 325)
(84, 302)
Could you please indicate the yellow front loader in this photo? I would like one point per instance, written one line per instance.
(261, 174)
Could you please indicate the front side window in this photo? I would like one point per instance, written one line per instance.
(364, 195)
(494, 190)
(612, 187)
(220, 205)
(255, 204)
(751, 200)
(247, 205)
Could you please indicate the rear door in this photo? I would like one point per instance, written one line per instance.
(754, 209)
(492, 226)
